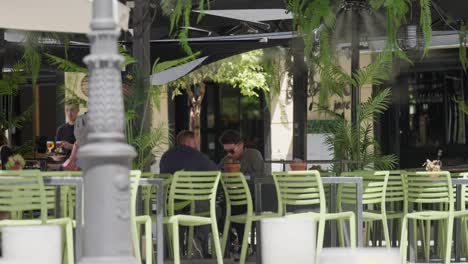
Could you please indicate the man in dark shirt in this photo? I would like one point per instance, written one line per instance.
(185, 156)
(65, 133)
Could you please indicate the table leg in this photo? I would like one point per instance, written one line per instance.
(159, 229)
(458, 225)
(79, 218)
(58, 199)
(258, 209)
(332, 207)
(412, 253)
(359, 210)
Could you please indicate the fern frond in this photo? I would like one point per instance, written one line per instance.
(162, 66)
(128, 59)
(462, 34)
(375, 72)
(425, 21)
(64, 64)
(374, 105)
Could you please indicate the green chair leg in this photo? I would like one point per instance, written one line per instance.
(352, 231)
(175, 244)
(245, 242)
(404, 240)
(190, 242)
(448, 244)
(217, 244)
(427, 242)
(320, 234)
(340, 223)
(415, 238)
(386, 233)
(227, 225)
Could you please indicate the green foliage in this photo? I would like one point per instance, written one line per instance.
(425, 21)
(243, 71)
(162, 66)
(463, 42)
(10, 86)
(149, 143)
(357, 143)
(32, 57)
(307, 16)
(462, 106)
(321, 126)
(64, 64)
(179, 13)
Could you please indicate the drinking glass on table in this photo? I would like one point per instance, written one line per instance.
(50, 146)
(58, 146)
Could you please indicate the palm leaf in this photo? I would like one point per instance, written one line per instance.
(64, 64)
(128, 59)
(374, 105)
(425, 21)
(462, 33)
(375, 72)
(161, 66)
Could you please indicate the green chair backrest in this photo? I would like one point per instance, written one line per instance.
(395, 191)
(134, 183)
(374, 187)
(194, 186)
(237, 190)
(464, 192)
(62, 173)
(428, 187)
(149, 192)
(23, 191)
(299, 188)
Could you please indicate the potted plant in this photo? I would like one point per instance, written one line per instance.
(232, 166)
(298, 164)
(433, 165)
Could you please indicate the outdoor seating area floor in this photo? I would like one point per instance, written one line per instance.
(250, 260)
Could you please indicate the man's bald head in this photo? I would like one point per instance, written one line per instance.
(186, 138)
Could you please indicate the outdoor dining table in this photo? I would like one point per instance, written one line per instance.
(258, 182)
(78, 183)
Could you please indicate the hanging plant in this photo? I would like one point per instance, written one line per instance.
(179, 14)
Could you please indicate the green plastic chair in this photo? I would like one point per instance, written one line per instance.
(139, 220)
(237, 193)
(26, 192)
(193, 186)
(433, 187)
(149, 194)
(305, 188)
(394, 197)
(464, 220)
(374, 194)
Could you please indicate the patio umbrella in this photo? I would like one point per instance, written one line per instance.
(175, 73)
(71, 16)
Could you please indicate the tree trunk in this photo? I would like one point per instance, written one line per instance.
(196, 101)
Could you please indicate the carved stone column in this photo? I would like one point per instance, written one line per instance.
(105, 158)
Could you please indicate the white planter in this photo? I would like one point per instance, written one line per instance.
(39, 244)
(288, 240)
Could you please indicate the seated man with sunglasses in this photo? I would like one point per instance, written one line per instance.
(250, 159)
(251, 163)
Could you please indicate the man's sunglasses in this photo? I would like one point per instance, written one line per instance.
(230, 151)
